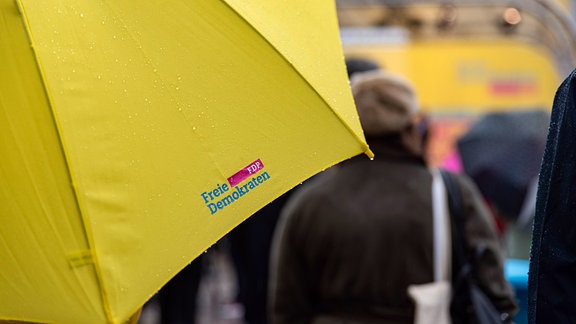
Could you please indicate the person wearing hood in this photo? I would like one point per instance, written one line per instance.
(350, 242)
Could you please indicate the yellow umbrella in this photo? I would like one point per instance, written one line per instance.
(135, 134)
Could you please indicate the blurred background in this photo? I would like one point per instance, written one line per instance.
(486, 72)
(466, 57)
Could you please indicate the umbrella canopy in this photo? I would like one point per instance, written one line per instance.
(502, 152)
(135, 134)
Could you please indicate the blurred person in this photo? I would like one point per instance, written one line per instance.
(178, 298)
(250, 253)
(350, 242)
(250, 241)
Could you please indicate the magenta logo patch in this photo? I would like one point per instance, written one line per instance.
(245, 173)
(225, 194)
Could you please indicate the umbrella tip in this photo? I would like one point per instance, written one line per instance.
(369, 153)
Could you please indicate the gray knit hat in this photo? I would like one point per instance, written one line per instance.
(386, 102)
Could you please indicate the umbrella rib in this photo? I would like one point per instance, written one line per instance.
(84, 222)
(364, 146)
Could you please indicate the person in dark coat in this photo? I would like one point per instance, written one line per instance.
(552, 276)
(178, 298)
(250, 241)
(350, 241)
(250, 253)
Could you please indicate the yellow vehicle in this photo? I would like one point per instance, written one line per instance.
(465, 57)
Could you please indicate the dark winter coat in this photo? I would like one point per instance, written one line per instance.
(552, 277)
(351, 241)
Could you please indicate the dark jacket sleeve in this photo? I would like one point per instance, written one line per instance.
(290, 295)
(552, 279)
(480, 229)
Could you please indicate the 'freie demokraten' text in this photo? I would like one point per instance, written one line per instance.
(224, 195)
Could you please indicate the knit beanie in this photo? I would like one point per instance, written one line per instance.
(386, 102)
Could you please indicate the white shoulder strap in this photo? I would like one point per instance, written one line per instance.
(442, 232)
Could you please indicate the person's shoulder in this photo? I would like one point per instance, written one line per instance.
(301, 206)
(315, 185)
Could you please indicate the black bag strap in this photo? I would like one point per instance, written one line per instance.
(461, 268)
(463, 262)
(456, 208)
(462, 256)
